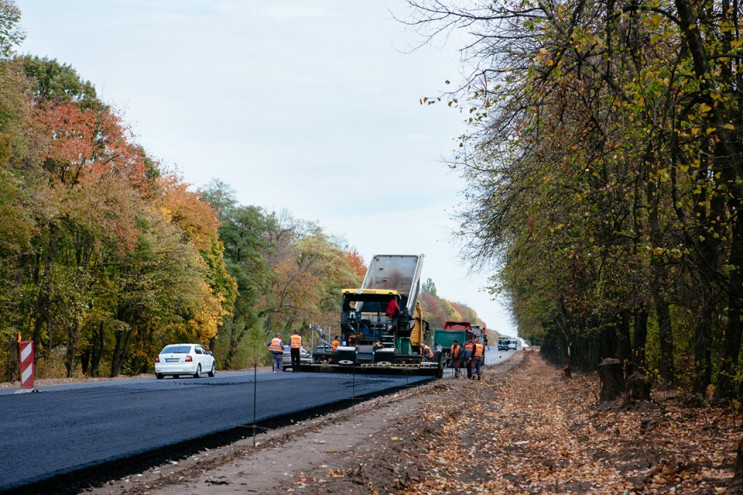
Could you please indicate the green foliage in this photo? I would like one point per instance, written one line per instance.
(438, 311)
(55, 81)
(429, 287)
(10, 34)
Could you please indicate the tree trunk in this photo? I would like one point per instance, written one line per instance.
(736, 486)
(96, 351)
(11, 369)
(732, 339)
(625, 344)
(122, 341)
(665, 334)
(612, 379)
(638, 389)
(72, 339)
(703, 341)
(641, 336)
(43, 297)
(658, 289)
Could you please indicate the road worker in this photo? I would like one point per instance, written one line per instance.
(295, 344)
(336, 342)
(393, 311)
(454, 354)
(426, 351)
(276, 348)
(478, 355)
(469, 347)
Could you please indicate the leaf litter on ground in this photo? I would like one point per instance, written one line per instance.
(530, 430)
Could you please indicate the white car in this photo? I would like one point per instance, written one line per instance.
(305, 358)
(184, 359)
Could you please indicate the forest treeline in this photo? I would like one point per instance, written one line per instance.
(106, 255)
(604, 161)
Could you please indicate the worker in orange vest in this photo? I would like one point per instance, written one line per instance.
(295, 344)
(336, 343)
(454, 353)
(478, 354)
(426, 351)
(469, 348)
(276, 348)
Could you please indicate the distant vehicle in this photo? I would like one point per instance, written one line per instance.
(504, 344)
(184, 359)
(513, 344)
(304, 357)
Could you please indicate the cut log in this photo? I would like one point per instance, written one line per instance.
(612, 379)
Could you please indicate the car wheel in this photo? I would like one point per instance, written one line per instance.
(213, 371)
(198, 372)
(159, 376)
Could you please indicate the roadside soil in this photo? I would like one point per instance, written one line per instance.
(522, 429)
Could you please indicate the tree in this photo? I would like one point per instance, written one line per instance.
(600, 160)
(10, 34)
(429, 287)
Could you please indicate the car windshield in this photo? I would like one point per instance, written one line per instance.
(176, 349)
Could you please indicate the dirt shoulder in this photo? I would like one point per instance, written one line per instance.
(522, 429)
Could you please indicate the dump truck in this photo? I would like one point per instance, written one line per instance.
(443, 338)
(381, 322)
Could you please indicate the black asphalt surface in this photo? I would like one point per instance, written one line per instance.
(66, 428)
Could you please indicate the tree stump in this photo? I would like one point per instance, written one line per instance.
(567, 372)
(612, 379)
(638, 389)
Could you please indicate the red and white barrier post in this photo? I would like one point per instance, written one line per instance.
(27, 364)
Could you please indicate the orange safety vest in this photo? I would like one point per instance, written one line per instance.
(469, 346)
(479, 350)
(426, 351)
(276, 345)
(295, 341)
(335, 344)
(454, 351)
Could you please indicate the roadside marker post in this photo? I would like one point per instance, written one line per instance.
(27, 366)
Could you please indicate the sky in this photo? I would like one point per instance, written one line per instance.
(306, 106)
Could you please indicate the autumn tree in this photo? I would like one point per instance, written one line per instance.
(104, 255)
(245, 235)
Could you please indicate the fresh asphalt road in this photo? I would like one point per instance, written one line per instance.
(65, 428)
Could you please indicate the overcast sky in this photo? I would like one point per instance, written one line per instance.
(310, 106)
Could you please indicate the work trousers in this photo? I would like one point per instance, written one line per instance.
(278, 361)
(475, 368)
(295, 359)
(456, 364)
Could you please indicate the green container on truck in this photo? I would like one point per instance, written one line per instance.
(461, 331)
